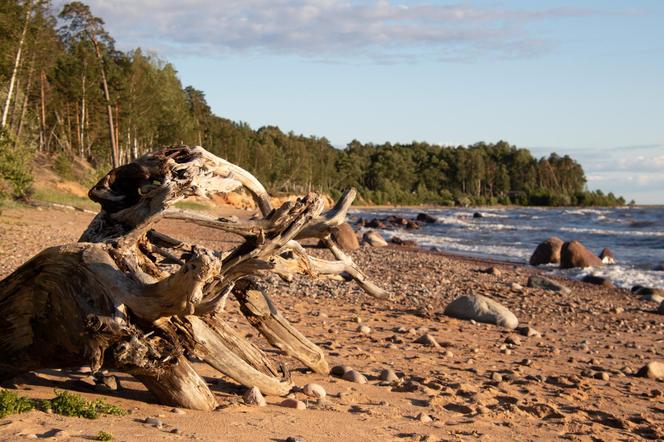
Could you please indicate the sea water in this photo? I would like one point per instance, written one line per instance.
(634, 234)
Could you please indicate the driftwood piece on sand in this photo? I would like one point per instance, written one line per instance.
(129, 298)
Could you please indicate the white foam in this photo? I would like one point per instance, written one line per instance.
(621, 276)
(611, 232)
(449, 244)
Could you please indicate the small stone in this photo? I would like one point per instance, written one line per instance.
(293, 403)
(492, 271)
(424, 418)
(497, 377)
(106, 382)
(540, 282)
(295, 439)
(388, 375)
(354, 376)
(597, 280)
(178, 411)
(340, 370)
(154, 421)
(427, 340)
(253, 396)
(602, 375)
(516, 287)
(652, 370)
(514, 340)
(176, 431)
(364, 329)
(314, 390)
(528, 332)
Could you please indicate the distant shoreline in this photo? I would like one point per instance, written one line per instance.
(433, 206)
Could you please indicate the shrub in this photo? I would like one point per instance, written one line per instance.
(11, 403)
(103, 435)
(15, 170)
(68, 404)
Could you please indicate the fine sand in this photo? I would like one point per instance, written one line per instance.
(575, 382)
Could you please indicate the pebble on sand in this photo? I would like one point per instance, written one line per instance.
(354, 376)
(652, 370)
(314, 390)
(427, 340)
(540, 282)
(481, 309)
(253, 396)
(388, 375)
(340, 370)
(293, 403)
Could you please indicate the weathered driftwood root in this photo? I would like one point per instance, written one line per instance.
(130, 298)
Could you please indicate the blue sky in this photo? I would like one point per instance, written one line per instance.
(584, 78)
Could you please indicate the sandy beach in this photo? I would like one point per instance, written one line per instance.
(574, 380)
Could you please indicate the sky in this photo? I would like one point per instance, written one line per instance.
(583, 77)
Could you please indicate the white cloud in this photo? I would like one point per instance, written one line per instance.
(327, 29)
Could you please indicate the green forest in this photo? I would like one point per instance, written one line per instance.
(66, 92)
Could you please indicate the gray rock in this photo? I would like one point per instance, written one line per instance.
(540, 282)
(528, 332)
(253, 396)
(154, 421)
(481, 309)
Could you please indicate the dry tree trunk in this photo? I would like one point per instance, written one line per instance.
(129, 298)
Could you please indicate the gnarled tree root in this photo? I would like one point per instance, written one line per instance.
(127, 297)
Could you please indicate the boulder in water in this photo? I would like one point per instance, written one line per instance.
(653, 298)
(478, 215)
(547, 252)
(607, 256)
(376, 224)
(345, 237)
(647, 291)
(403, 242)
(659, 267)
(574, 254)
(481, 309)
(597, 280)
(374, 239)
(425, 217)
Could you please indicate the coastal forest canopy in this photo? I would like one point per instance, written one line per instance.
(67, 92)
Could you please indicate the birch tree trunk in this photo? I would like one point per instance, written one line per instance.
(17, 64)
(115, 160)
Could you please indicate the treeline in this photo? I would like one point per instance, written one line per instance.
(66, 91)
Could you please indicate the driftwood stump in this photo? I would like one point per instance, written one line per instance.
(129, 298)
